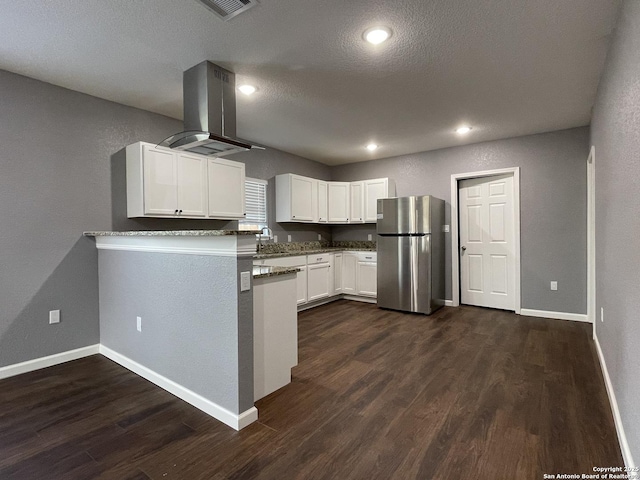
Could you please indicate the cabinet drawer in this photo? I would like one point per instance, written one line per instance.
(318, 258)
(367, 256)
(282, 261)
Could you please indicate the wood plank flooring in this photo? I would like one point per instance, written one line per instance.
(465, 393)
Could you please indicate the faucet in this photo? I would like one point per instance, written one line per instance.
(269, 234)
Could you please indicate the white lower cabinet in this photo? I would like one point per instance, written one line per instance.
(349, 267)
(366, 276)
(319, 276)
(337, 274)
(325, 275)
(301, 291)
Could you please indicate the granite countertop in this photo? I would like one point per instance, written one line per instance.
(264, 271)
(172, 233)
(297, 253)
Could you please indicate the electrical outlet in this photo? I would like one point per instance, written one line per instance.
(275, 239)
(288, 238)
(319, 237)
(54, 317)
(602, 314)
(139, 323)
(369, 237)
(554, 285)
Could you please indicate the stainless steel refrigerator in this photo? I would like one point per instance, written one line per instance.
(411, 254)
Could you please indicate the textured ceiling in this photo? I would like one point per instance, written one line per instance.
(506, 67)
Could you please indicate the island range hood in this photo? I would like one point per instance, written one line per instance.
(209, 94)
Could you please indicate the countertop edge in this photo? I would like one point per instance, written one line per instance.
(170, 233)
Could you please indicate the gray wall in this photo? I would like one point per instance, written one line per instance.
(202, 344)
(552, 199)
(61, 173)
(55, 182)
(615, 134)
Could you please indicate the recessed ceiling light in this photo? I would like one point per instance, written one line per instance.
(247, 89)
(371, 147)
(377, 35)
(463, 130)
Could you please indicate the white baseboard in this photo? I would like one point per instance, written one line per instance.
(49, 361)
(356, 298)
(237, 421)
(622, 438)
(448, 303)
(576, 317)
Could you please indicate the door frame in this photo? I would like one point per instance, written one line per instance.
(455, 228)
(591, 238)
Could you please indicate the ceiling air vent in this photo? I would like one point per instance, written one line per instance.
(226, 9)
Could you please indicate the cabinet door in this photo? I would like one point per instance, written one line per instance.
(357, 202)
(367, 279)
(323, 202)
(349, 266)
(338, 202)
(302, 201)
(318, 281)
(226, 188)
(373, 190)
(160, 182)
(192, 185)
(301, 280)
(337, 274)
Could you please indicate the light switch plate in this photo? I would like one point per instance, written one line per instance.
(139, 324)
(245, 281)
(445, 228)
(275, 239)
(554, 285)
(369, 237)
(288, 238)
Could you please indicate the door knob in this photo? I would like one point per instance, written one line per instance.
(463, 248)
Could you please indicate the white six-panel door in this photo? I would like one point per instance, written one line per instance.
(487, 242)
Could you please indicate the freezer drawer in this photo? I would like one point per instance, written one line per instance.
(404, 273)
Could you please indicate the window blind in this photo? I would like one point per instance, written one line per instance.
(255, 203)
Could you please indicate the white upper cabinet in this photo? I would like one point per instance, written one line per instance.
(296, 198)
(357, 202)
(323, 202)
(192, 190)
(226, 188)
(373, 190)
(160, 182)
(338, 193)
(304, 199)
(168, 183)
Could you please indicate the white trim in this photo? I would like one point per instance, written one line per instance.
(455, 244)
(360, 299)
(448, 303)
(49, 361)
(591, 238)
(236, 421)
(219, 246)
(622, 437)
(575, 317)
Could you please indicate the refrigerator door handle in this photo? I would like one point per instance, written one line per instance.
(415, 256)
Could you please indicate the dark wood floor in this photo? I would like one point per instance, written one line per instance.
(467, 393)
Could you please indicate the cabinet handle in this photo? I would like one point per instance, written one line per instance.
(180, 211)
(293, 216)
(369, 258)
(176, 212)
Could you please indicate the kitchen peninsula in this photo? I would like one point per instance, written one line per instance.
(177, 308)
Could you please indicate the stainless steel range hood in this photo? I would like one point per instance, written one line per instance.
(209, 94)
